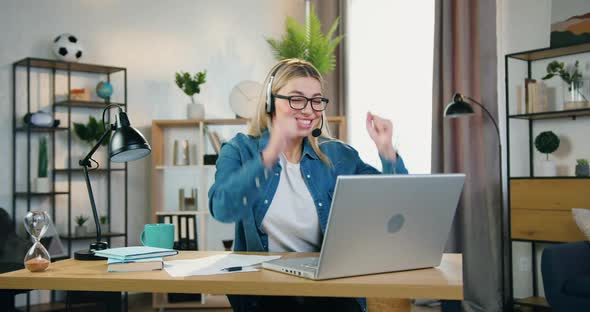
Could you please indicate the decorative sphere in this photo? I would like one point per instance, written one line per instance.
(67, 47)
(104, 90)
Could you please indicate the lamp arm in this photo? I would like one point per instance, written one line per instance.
(85, 163)
(92, 204)
(86, 160)
(489, 115)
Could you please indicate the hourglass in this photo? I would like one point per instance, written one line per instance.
(37, 258)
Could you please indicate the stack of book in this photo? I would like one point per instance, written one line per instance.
(135, 258)
(139, 265)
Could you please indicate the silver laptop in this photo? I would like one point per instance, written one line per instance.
(382, 223)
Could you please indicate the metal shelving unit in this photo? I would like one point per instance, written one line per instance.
(54, 67)
(529, 57)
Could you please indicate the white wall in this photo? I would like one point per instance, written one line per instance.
(390, 58)
(152, 39)
(525, 25)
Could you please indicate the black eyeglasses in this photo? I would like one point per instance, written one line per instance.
(299, 102)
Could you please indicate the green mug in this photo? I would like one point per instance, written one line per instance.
(158, 235)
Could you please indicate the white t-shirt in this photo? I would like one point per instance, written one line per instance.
(292, 222)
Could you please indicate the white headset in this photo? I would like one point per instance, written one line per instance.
(270, 100)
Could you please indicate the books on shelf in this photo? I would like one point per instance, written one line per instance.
(215, 140)
(535, 96)
(139, 265)
(135, 252)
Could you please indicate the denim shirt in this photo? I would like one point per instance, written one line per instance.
(244, 189)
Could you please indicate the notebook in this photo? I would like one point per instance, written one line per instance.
(135, 252)
(147, 264)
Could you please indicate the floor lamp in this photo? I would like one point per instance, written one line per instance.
(460, 108)
(126, 144)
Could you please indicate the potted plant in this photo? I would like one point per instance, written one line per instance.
(582, 168)
(42, 180)
(191, 85)
(576, 91)
(80, 229)
(104, 224)
(306, 41)
(547, 142)
(90, 133)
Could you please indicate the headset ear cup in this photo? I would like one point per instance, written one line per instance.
(272, 104)
(270, 101)
(269, 97)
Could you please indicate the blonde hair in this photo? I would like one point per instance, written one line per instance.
(287, 70)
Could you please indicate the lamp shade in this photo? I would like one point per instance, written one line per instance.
(127, 143)
(458, 107)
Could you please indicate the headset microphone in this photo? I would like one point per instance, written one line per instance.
(318, 131)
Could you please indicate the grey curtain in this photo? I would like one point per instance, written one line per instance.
(328, 11)
(465, 61)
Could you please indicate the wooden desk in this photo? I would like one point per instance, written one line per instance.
(386, 292)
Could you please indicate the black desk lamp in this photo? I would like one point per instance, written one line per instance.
(126, 144)
(460, 108)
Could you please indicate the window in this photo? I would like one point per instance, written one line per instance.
(390, 58)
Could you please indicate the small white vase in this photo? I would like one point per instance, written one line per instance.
(195, 110)
(547, 169)
(80, 230)
(42, 185)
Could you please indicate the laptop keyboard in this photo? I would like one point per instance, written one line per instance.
(312, 264)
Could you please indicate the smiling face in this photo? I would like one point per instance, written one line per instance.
(304, 120)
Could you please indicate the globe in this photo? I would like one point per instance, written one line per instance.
(104, 90)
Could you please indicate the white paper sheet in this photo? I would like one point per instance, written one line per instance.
(214, 264)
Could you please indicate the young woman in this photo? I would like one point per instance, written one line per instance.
(277, 182)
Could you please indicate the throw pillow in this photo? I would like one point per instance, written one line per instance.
(582, 218)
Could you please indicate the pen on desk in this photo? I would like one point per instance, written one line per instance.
(233, 269)
(240, 268)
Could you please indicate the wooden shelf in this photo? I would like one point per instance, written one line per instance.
(85, 104)
(533, 301)
(571, 113)
(539, 54)
(62, 65)
(234, 121)
(179, 123)
(182, 123)
(548, 178)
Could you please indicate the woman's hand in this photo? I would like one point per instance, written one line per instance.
(282, 132)
(381, 132)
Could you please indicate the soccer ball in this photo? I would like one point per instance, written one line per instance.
(67, 47)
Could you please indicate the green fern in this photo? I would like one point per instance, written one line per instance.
(312, 46)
